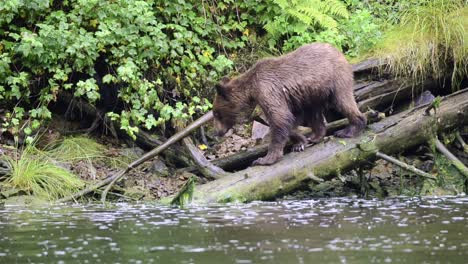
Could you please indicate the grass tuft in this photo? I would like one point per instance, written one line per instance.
(429, 41)
(73, 149)
(34, 173)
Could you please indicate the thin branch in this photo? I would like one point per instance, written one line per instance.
(405, 166)
(453, 159)
(461, 141)
(91, 188)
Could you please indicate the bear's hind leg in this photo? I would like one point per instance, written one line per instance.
(317, 122)
(346, 104)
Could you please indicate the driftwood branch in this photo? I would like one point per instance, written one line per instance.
(91, 188)
(461, 141)
(405, 166)
(328, 159)
(204, 166)
(453, 159)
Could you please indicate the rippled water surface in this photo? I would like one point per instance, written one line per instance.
(316, 231)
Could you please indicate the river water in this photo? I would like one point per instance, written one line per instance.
(339, 230)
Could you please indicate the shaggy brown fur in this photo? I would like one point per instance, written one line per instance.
(293, 89)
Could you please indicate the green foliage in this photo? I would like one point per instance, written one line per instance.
(360, 33)
(160, 54)
(430, 41)
(386, 12)
(300, 19)
(34, 173)
(185, 194)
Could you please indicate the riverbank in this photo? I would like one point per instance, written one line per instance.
(91, 159)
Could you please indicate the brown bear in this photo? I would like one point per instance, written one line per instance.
(294, 89)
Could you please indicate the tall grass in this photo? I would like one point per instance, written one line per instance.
(72, 149)
(32, 172)
(429, 41)
(79, 148)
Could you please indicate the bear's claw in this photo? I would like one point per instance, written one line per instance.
(298, 147)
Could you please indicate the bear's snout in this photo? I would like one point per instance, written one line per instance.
(221, 132)
(220, 128)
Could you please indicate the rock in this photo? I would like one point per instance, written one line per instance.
(25, 200)
(259, 130)
(136, 192)
(424, 98)
(159, 167)
(132, 152)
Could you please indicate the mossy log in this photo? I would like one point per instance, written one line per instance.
(328, 159)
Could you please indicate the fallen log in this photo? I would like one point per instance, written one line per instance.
(382, 95)
(245, 158)
(368, 68)
(328, 159)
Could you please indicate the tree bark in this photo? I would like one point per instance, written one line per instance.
(328, 159)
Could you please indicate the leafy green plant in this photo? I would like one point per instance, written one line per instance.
(298, 20)
(34, 173)
(156, 53)
(360, 32)
(161, 57)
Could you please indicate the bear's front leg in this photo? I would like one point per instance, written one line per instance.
(269, 159)
(279, 138)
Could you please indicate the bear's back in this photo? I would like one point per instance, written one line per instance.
(308, 73)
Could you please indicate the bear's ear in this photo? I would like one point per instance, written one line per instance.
(222, 91)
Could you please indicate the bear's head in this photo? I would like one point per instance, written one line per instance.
(233, 103)
(225, 108)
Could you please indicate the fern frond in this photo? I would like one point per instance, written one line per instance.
(301, 16)
(333, 7)
(282, 3)
(319, 18)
